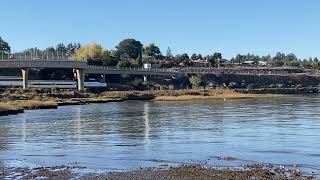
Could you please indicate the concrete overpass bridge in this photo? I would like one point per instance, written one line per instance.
(81, 68)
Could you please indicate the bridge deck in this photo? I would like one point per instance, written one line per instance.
(88, 69)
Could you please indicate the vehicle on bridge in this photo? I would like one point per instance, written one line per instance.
(94, 83)
(16, 82)
(147, 66)
(10, 81)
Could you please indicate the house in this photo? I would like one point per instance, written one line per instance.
(248, 63)
(262, 63)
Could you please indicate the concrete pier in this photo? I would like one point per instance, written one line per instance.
(145, 78)
(80, 79)
(103, 76)
(25, 78)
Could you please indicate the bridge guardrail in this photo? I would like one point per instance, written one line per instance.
(244, 71)
(36, 56)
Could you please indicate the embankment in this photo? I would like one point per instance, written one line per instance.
(263, 81)
(6, 109)
(304, 90)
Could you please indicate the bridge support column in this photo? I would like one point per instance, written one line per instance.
(145, 78)
(103, 76)
(25, 78)
(80, 79)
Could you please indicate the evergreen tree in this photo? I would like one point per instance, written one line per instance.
(169, 54)
(139, 60)
(4, 46)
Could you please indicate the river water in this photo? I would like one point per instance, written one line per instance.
(134, 134)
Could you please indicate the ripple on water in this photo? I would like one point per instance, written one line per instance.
(131, 134)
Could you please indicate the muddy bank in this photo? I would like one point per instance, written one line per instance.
(175, 173)
(6, 112)
(250, 81)
(6, 109)
(19, 106)
(199, 172)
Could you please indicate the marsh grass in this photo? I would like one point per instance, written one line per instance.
(41, 101)
(216, 97)
(6, 107)
(185, 95)
(34, 104)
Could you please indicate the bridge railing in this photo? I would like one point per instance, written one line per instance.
(129, 68)
(36, 56)
(190, 70)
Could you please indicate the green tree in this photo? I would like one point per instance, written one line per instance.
(217, 55)
(94, 53)
(316, 63)
(72, 47)
(266, 58)
(50, 51)
(239, 58)
(90, 51)
(181, 58)
(211, 60)
(107, 59)
(4, 46)
(124, 63)
(214, 59)
(199, 56)
(139, 60)
(152, 50)
(130, 47)
(203, 84)
(194, 56)
(124, 57)
(32, 52)
(169, 55)
(279, 57)
(61, 49)
(195, 81)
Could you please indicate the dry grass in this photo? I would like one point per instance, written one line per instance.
(14, 107)
(35, 104)
(186, 95)
(217, 97)
(6, 107)
(32, 104)
(117, 96)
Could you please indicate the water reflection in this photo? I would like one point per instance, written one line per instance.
(24, 133)
(4, 138)
(77, 119)
(146, 120)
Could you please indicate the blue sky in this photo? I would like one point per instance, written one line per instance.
(204, 26)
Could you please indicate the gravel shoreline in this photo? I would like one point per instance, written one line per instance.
(182, 172)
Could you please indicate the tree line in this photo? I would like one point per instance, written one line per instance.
(132, 53)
